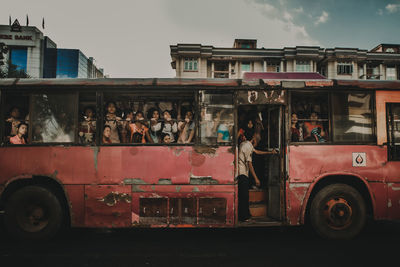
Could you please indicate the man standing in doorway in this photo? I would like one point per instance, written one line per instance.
(245, 165)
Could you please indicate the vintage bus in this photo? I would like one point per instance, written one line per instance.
(163, 153)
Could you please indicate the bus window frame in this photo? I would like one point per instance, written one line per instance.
(330, 117)
(171, 91)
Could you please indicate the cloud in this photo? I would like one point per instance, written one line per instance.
(299, 10)
(393, 8)
(323, 18)
(379, 12)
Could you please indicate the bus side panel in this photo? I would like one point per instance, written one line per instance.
(76, 200)
(394, 201)
(309, 163)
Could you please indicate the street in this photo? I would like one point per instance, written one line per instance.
(294, 246)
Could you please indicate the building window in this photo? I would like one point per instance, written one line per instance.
(345, 68)
(190, 64)
(391, 73)
(373, 72)
(245, 66)
(18, 57)
(303, 66)
(273, 67)
(361, 71)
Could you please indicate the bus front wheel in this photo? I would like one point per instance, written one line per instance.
(33, 212)
(338, 211)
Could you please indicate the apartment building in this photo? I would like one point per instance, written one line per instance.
(205, 61)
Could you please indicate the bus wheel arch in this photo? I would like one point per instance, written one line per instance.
(49, 184)
(351, 181)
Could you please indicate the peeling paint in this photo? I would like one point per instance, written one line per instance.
(393, 187)
(96, 150)
(196, 189)
(136, 188)
(177, 151)
(114, 197)
(178, 188)
(133, 181)
(199, 180)
(54, 174)
(164, 181)
(389, 203)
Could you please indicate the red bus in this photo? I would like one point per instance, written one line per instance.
(163, 152)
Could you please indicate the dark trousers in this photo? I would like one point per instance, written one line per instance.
(243, 194)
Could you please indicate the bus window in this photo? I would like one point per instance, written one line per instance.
(16, 111)
(393, 124)
(309, 118)
(352, 117)
(150, 119)
(216, 125)
(53, 118)
(87, 118)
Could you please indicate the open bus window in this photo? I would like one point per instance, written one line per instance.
(216, 125)
(309, 118)
(53, 118)
(149, 119)
(16, 112)
(87, 118)
(352, 117)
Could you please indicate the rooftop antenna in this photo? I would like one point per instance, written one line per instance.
(43, 23)
(9, 20)
(27, 20)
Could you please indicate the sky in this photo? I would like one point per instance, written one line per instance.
(132, 38)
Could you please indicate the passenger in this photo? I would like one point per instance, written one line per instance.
(249, 128)
(314, 130)
(245, 166)
(155, 126)
(139, 132)
(107, 135)
(223, 133)
(37, 133)
(19, 138)
(125, 129)
(87, 129)
(186, 128)
(113, 121)
(169, 126)
(13, 121)
(296, 129)
(166, 139)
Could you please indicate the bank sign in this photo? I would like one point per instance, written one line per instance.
(10, 38)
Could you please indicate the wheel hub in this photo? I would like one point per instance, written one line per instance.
(33, 218)
(338, 213)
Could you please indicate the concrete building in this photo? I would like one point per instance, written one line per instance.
(204, 61)
(39, 57)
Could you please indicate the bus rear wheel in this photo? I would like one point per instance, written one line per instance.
(338, 211)
(33, 213)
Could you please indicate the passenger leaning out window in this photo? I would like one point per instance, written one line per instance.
(19, 138)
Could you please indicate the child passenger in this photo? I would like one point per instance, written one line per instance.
(19, 138)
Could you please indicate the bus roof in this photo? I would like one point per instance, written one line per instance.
(125, 83)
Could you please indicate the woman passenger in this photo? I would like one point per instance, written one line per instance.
(296, 129)
(139, 132)
(314, 130)
(87, 129)
(169, 126)
(19, 138)
(113, 121)
(186, 128)
(107, 135)
(155, 126)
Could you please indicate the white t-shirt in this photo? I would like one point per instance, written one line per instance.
(246, 150)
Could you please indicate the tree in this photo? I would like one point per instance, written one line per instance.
(12, 72)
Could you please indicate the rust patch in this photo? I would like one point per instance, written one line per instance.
(196, 189)
(95, 156)
(164, 181)
(178, 188)
(202, 180)
(133, 181)
(205, 150)
(114, 197)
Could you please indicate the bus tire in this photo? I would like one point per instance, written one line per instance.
(33, 213)
(338, 211)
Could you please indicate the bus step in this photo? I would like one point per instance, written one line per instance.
(257, 196)
(258, 210)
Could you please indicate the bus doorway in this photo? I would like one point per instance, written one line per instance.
(266, 122)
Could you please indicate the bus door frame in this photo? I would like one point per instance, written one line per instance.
(277, 98)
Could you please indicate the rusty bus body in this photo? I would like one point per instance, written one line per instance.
(194, 185)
